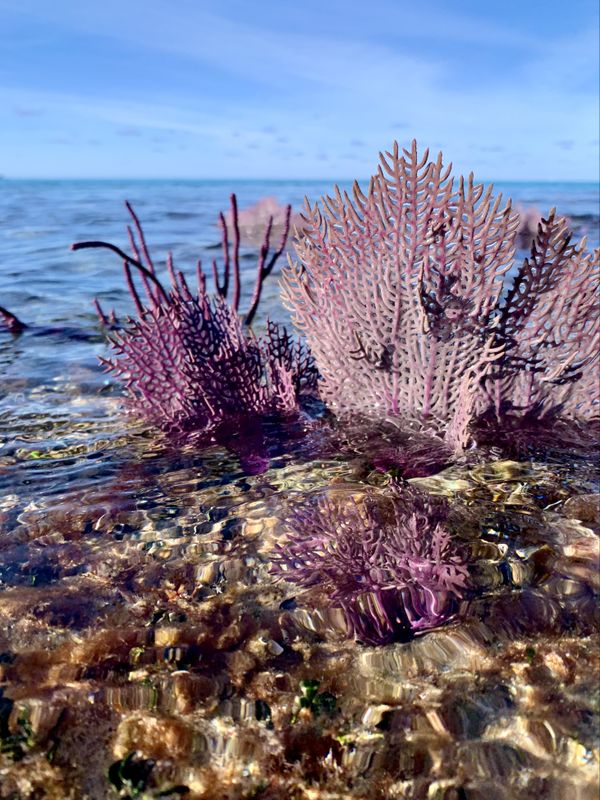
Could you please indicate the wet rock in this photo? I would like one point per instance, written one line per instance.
(585, 508)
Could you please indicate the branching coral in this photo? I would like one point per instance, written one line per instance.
(399, 293)
(188, 362)
(390, 565)
(549, 330)
(143, 262)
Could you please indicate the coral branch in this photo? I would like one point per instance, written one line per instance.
(100, 312)
(133, 261)
(154, 290)
(265, 269)
(188, 363)
(140, 233)
(236, 254)
(223, 290)
(11, 322)
(550, 330)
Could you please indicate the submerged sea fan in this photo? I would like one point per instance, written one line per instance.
(389, 564)
(399, 293)
(253, 219)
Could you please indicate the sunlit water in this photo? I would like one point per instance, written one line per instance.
(137, 610)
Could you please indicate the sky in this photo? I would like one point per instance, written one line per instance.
(275, 89)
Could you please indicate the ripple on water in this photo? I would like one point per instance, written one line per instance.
(138, 612)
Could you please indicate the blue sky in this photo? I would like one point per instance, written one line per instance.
(259, 88)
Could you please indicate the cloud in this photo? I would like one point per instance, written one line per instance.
(253, 76)
(128, 132)
(23, 111)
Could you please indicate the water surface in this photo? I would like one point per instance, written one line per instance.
(137, 611)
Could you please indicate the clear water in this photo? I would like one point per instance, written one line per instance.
(137, 613)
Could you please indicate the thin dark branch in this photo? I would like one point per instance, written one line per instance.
(200, 278)
(132, 290)
(140, 232)
(226, 258)
(264, 270)
(136, 255)
(282, 242)
(215, 272)
(185, 289)
(171, 270)
(260, 274)
(134, 262)
(236, 254)
(100, 312)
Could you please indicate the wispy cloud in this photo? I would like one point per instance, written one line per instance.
(239, 77)
(24, 111)
(128, 132)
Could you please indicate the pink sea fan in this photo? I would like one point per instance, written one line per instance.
(253, 220)
(399, 293)
(390, 564)
(395, 291)
(529, 218)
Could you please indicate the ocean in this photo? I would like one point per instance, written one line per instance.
(136, 606)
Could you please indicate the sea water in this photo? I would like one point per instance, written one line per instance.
(140, 628)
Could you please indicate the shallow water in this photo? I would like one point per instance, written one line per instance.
(137, 610)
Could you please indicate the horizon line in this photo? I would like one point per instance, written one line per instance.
(40, 178)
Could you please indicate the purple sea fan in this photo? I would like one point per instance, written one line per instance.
(395, 291)
(390, 564)
(549, 332)
(190, 364)
(399, 294)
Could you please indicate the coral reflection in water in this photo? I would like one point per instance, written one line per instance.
(173, 643)
(389, 563)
